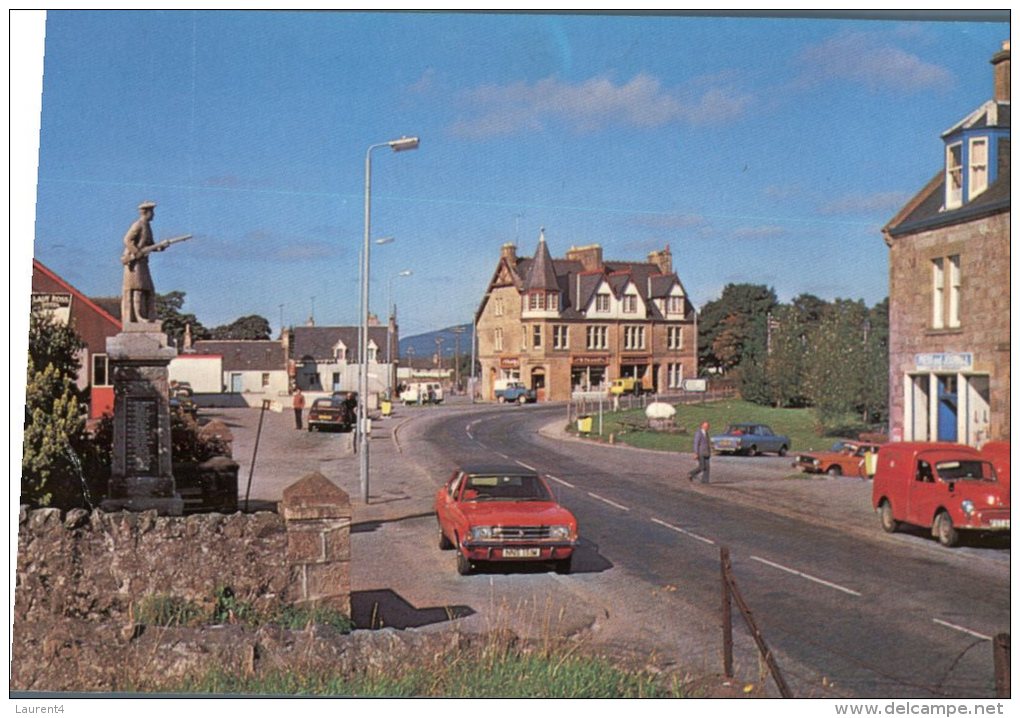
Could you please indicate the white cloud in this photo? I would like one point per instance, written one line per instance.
(591, 105)
(866, 203)
(868, 58)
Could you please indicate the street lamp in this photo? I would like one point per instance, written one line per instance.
(399, 145)
(389, 329)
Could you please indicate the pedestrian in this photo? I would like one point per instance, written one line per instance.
(703, 452)
(298, 402)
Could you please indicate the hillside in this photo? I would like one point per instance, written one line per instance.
(424, 345)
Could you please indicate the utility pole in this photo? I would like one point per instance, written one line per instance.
(439, 353)
(456, 363)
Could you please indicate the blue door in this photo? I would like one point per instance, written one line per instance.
(947, 408)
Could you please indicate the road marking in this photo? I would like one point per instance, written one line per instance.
(611, 503)
(503, 455)
(807, 576)
(561, 481)
(685, 532)
(529, 468)
(962, 629)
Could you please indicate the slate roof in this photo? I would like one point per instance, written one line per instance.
(541, 273)
(245, 354)
(318, 342)
(927, 213)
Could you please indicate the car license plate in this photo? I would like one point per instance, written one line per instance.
(1000, 523)
(522, 552)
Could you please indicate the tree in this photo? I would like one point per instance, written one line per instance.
(252, 327)
(56, 447)
(732, 327)
(785, 364)
(839, 363)
(168, 311)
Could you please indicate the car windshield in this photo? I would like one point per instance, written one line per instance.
(965, 470)
(838, 446)
(522, 487)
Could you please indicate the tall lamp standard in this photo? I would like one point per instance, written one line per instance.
(400, 145)
(390, 378)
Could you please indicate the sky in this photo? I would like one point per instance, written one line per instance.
(765, 150)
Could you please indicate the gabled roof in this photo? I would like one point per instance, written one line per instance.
(923, 211)
(245, 354)
(318, 342)
(990, 114)
(42, 269)
(541, 272)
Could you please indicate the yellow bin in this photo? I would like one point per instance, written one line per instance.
(387, 407)
(584, 424)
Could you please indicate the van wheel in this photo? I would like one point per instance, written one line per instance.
(946, 533)
(463, 564)
(889, 524)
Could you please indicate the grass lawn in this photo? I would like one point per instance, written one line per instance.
(798, 424)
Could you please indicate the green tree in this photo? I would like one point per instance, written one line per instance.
(168, 311)
(784, 366)
(252, 327)
(732, 327)
(874, 400)
(838, 363)
(56, 446)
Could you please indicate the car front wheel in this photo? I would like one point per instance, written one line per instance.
(752, 450)
(564, 565)
(463, 564)
(444, 543)
(782, 450)
(834, 471)
(946, 533)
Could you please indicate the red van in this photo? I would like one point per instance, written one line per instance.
(998, 453)
(949, 487)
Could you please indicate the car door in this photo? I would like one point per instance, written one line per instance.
(765, 438)
(922, 494)
(446, 507)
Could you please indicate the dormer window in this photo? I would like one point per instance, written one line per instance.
(954, 175)
(340, 352)
(601, 302)
(536, 301)
(977, 179)
(539, 301)
(630, 304)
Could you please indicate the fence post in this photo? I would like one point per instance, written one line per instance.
(727, 613)
(1000, 656)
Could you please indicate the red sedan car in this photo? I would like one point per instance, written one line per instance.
(503, 513)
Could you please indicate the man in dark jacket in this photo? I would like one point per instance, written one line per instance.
(703, 451)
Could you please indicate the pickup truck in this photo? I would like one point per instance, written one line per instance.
(516, 392)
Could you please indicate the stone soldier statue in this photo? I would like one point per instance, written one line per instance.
(138, 301)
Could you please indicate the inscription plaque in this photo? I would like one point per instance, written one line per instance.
(142, 434)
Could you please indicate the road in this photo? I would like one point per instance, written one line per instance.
(847, 610)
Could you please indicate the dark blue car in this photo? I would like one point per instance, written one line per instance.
(750, 439)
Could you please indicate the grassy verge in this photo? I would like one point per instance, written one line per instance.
(798, 424)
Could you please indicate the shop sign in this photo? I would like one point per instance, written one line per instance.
(56, 305)
(635, 361)
(509, 363)
(590, 360)
(944, 361)
(695, 385)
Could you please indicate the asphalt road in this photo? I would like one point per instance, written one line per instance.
(847, 610)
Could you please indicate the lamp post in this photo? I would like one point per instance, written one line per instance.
(389, 329)
(400, 145)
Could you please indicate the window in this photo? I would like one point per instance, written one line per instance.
(536, 301)
(945, 304)
(536, 336)
(372, 353)
(596, 337)
(630, 304)
(100, 370)
(977, 181)
(675, 375)
(560, 337)
(497, 306)
(265, 379)
(497, 340)
(938, 292)
(675, 338)
(954, 175)
(553, 301)
(633, 338)
(674, 305)
(601, 302)
(340, 352)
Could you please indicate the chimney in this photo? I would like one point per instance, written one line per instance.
(509, 253)
(663, 259)
(589, 256)
(1000, 61)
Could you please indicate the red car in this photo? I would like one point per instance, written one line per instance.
(845, 458)
(948, 487)
(503, 513)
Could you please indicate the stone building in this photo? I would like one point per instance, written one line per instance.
(949, 280)
(577, 323)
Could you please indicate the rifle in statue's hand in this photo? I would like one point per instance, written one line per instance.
(158, 247)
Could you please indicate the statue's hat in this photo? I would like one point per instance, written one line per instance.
(147, 204)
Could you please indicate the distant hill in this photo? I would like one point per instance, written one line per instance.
(424, 345)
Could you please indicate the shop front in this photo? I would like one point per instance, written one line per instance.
(945, 399)
(588, 372)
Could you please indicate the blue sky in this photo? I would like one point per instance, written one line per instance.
(762, 150)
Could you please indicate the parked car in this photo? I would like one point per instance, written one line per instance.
(182, 403)
(516, 392)
(750, 439)
(503, 513)
(626, 385)
(335, 412)
(845, 458)
(948, 487)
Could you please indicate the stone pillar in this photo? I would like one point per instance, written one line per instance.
(141, 477)
(318, 518)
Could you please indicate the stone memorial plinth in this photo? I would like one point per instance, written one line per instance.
(141, 476)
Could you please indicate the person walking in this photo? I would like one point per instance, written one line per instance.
(298, 402)
(703, 452)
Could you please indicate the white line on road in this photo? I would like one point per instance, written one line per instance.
(807, 576)
(685, 532)
(605, 500)
(561, 481)
(529, 468)
(962, 629)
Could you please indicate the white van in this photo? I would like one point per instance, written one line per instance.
(422, 392)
